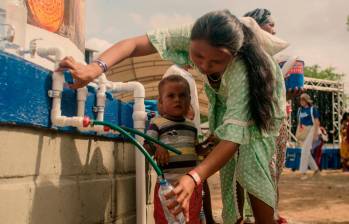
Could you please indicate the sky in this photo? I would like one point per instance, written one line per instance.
(315, 29)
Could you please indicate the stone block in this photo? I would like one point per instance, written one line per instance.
(96, 198)
(125, 158)
(125, 195)
(16, 202)
(56, 202)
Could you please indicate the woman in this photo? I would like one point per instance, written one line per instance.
(264, 19)
(307, 133)
(247, 100)
(344, 147)
(266, 22)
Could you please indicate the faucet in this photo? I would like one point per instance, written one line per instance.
(32, 48)
(9, 38)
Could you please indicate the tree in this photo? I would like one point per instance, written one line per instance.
(315, 71)
(348, 23)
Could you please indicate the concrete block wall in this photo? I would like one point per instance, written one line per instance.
(50, 177)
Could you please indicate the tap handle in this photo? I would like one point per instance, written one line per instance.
(33, 46)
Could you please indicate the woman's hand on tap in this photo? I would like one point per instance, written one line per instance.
(82, 74)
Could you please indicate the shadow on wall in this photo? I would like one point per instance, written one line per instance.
(79, 193)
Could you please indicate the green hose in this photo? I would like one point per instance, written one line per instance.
(147, 137)
(134, 141)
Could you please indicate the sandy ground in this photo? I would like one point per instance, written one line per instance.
(319, 199)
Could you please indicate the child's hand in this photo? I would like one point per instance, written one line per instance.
(150, 149)
(204, 148)
(161, 155)
(212, 139)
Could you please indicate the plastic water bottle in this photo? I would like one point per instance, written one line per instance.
(165, 188)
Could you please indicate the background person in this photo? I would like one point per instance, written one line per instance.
(265, 20)
(344, 145)
(307, 133)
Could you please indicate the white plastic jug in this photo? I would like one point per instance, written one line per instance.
(16, 16)
(3, 5)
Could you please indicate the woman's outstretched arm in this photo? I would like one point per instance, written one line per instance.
(132, 47)
(83, 74)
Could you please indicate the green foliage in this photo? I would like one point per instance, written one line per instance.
(348, 23)
(315, 71)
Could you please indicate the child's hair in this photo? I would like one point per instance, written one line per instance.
(222, 29)
(175, 79)
(307, 99)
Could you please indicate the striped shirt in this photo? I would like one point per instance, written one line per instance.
(180, 134)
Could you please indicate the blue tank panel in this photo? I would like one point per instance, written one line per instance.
(23, 92)
(24, 97)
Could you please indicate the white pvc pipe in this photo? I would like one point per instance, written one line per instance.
(63, 121)
(81, 99)
(99, 84)
(101, 97)
(56, 114)
(57, 88)
(136, 87)
(140, 184)
(139, 116)
(56, 52)
(100, 129)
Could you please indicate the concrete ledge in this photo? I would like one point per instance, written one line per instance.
(49, 177)
(67, 200)
(27, 152)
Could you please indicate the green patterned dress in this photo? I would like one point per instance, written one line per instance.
(230, 119)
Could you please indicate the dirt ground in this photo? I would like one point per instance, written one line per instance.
(320, 199)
